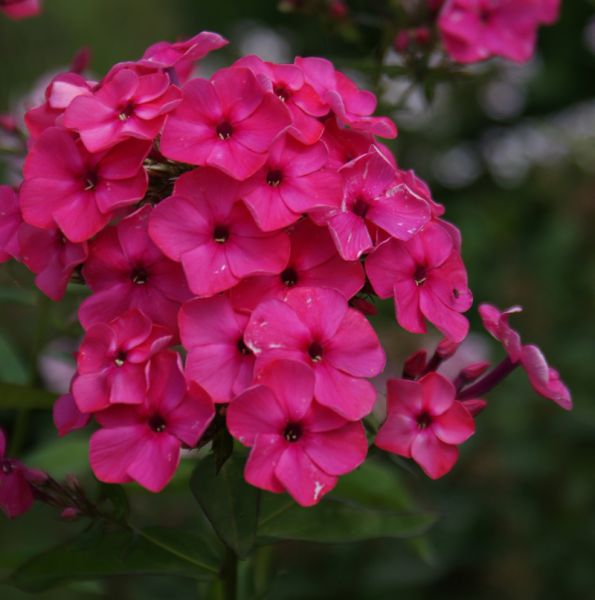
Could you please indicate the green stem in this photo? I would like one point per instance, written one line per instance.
(229, 575)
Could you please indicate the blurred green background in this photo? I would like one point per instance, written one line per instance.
(511, 153)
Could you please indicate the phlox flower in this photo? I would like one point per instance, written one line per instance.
(142, 443)
(296, 445)
(315, 326)
(228, 122)
(374, 198)
(313, 262)
(218, 359)
(125, 105)
(126, 270)
(292, 182)
(349, 104)
(51, 256)
(206, 227)
(544, 379)
(425, 422)
(67, 186)
(474, 30)
(112, 361)
(16, 494)
(427, 278)
(20, 9)
(287, 82)
(67, 416)
(10, 221)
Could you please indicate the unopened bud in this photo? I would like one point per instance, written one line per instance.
(475, 406)
(473, 371)
(402, 41)
(415, 365)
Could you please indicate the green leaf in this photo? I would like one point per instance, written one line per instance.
(62, 456)
(12, 366)
(17, 295)
(98, 553)
(14, 396)
(230, 504)
(368, 503)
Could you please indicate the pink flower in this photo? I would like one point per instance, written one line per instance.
(287, 82)
(10, 220)
(218, 359)
(67, 416)
(66, 186)
(49, 255)
(474, 30)
(228, 122)
(427, 278)
(126, 105)
(61, 91)
(291, 183)
(549, 11)
(142, 442)
(316, 327)
(374, 198)
(206, 228)
(181, 56)
(112, 361)
(126, 270)
(20, 9)
(544, 379)
(313, 262)
(16, 494)
(425, 423)
(351, 105)
(297, 445)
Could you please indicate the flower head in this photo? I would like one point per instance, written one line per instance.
(425, 423)
(296, 445)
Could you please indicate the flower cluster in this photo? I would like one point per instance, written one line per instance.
(249, 217)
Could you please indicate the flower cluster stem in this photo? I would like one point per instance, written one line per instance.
(489, 381)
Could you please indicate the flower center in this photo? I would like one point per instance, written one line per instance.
(221, 234)
(140, 276)
(243, 349)
(315, 351)
(157, 424)
(293, 432)
(120, 358)
(360, 208)
(224, 130)
(6, 467)
(90, 181)
(289, 277)
(424, 420)
(281, 92)
(274, 178)
(126, 112)
(420, 276)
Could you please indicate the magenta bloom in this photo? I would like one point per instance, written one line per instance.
(374, 199)
(206, 228)
(218, 359)
(228, 122)
(313, 262)
(20, 9)
(181, 56)
(427, 278)
(315, 326)
(142, 442)
(126, 105)
(67, 416)
(16, 494)
(112, 361)
(287, 82)
(126, 270)
(291, 183)
(297, 445)
(10, 221)
(474, 30)
(351, 105)
(52, 258)
(66, 186)
(425, 423)
(544, 379)
(61, 91)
